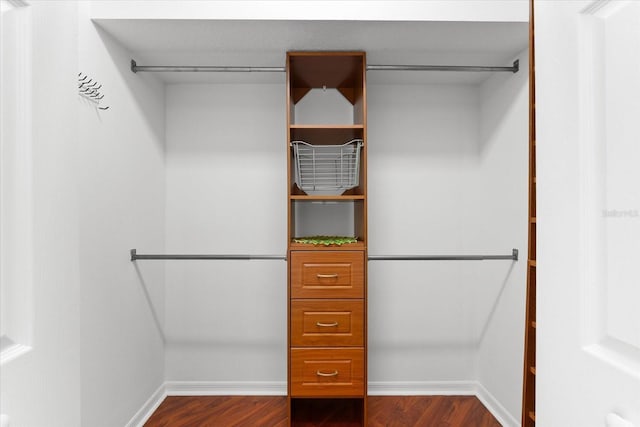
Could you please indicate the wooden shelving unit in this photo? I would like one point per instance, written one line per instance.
(529, 376)
(327, 286)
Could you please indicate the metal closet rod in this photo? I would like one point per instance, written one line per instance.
(135, 256)
(244, 69)
(514, 257)
(477, 68)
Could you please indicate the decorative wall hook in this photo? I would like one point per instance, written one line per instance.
(90, 90)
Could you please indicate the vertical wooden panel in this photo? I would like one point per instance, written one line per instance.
(529, 365)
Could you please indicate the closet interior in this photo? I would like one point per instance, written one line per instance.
(417, 290)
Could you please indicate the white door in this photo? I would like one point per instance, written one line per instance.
(588, 176)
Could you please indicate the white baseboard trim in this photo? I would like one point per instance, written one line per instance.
(148, 408)
(422, 388)
(226, 388)
(503, 416)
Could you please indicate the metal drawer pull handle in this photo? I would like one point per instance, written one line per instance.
(326, 325)
(327, 374)
(327, 276)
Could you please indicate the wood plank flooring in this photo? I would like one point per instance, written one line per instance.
(429, 411)
(220, 411)
(270, 411)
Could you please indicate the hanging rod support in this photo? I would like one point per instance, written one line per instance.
(221, 68)
(135, 256)
(513, 257)
(477, 68)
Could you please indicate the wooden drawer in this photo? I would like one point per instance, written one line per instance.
(327, 372)
(337, 274)
(327, 323)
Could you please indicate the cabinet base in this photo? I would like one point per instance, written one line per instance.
(330, 412)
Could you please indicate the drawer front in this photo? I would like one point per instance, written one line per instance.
(327, 323)
(327, 274)
(327, 372)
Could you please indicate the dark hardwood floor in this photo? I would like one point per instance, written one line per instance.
(269, 411)
(428, 411)
(210, 411)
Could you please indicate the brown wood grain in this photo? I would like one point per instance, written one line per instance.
(322, 274)
(329, 371)
(327, 323)
(529, 377)
(271, 411)
(220, 411)
(427, 411)
(327, 274)
(326, 134)
(325, 69)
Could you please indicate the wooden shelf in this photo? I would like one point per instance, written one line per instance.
(317, 69)
(532, 415)
(533, 220)
(326, 134)
(532, 262)
(532, 370)
(359, 246)
(325, 127)
(533, 324)
(343, 198)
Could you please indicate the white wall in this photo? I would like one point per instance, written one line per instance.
(98, 190)
(442, 182)
(227, 320)
(447, 174)
(42, 387)
(226, 194)
(504, 133)
(423, 168)
(120, 184)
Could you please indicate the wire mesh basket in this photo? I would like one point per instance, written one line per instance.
(327, 169)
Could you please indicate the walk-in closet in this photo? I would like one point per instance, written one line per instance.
(319, 213)
(186, 205)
